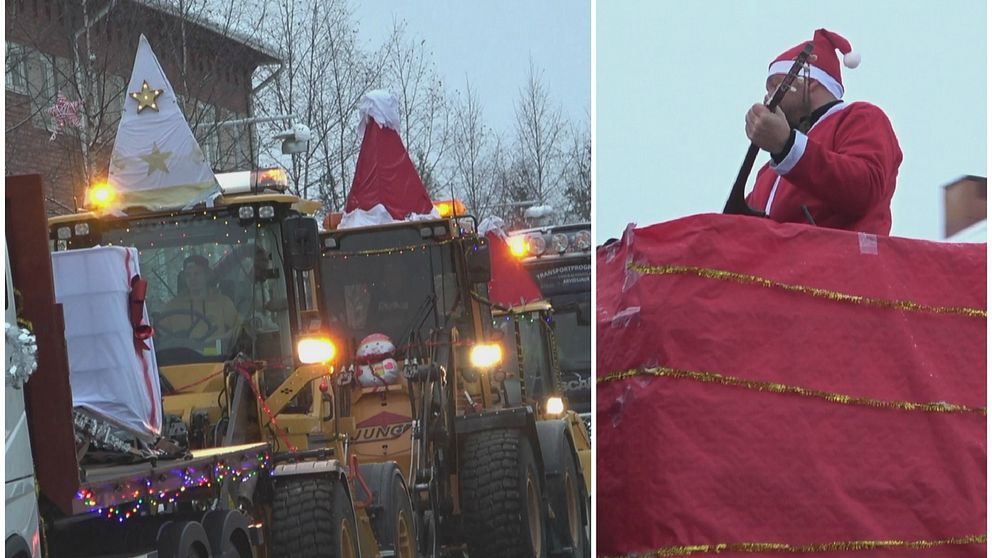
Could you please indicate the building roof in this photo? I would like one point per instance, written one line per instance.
(267, 53)
(966, 178)
(977, 232)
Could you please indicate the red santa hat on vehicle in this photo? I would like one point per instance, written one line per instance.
(510, 284)
(823, 65)
(386, 187)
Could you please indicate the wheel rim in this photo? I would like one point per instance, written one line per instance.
(347, 543)
(404, 538)
(534, 516)
(572, 505)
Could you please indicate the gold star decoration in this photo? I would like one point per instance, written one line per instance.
(156, 159)
(146, 97)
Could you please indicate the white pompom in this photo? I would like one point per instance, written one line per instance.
(852, 59)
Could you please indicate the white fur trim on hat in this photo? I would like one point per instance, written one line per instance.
(382, 106)
(783, 67)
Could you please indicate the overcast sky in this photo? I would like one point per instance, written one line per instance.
(675, 79)
(491, 42)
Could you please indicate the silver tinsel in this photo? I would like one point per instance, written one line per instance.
(22, 351)
(99, 431)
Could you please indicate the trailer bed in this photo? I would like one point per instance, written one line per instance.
(107, 487)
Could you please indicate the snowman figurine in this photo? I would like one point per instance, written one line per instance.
(378, 367)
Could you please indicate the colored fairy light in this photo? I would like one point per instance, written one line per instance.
(149, 500)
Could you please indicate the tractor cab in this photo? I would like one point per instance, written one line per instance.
(529, 332)
(219, 285)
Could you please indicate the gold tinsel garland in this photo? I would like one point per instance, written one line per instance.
(744, 278)
(711, 377)
(688, 550)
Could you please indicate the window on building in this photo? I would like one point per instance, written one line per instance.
(16, 64)
(41, 87)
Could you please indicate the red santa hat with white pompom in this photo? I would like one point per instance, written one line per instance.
(823, 65)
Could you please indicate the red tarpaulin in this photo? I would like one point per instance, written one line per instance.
(781, 388)
(511, 283)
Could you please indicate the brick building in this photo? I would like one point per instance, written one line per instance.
(52, 46)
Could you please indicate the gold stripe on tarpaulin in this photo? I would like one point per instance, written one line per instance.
(384, 251)
(723, 275)
(689, 550)
(773, 387)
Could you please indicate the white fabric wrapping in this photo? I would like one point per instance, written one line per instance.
(495, 225)
(382, 107)
(379, 215)
(108, 377)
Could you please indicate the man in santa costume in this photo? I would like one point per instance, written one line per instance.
(835, 161)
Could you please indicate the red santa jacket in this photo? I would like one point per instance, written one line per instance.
(843, 170)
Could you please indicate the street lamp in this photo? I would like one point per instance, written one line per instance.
(295, 140)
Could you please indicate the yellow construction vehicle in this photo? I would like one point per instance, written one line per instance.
(464, 397)
(236, 368)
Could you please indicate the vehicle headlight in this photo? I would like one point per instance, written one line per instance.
(82, 229)
(486, 355)
(554, 406)
(583, 240)
(518, 246)
(537, 244)
(64, 233)
(266, 212)
(101, 195)
(314, 350)
(246, 212)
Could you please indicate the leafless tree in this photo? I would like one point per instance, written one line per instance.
(578, 177)
(540, 132)
(424, 107)
(476, 157)
(299, 86)
(324, 75)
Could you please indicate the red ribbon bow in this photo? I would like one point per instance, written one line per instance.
(136, 313)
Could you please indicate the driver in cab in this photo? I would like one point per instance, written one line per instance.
(199, 313)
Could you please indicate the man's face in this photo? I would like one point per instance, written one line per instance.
(196, 277)
(795, 104)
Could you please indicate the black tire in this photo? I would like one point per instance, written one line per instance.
(572, 511)
(227, 531)
(393, 521)
(312, 518)
(182, 539)
(501, 496)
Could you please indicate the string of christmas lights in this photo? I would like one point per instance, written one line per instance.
(148, 500)
(387, 251)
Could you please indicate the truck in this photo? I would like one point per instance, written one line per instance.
(559, 259)
(465, 396)
(22, 536)
(190, 505)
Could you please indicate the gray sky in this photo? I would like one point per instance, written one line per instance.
(490, 42)
(675, 79)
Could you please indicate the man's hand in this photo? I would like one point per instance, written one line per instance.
(768, 130)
